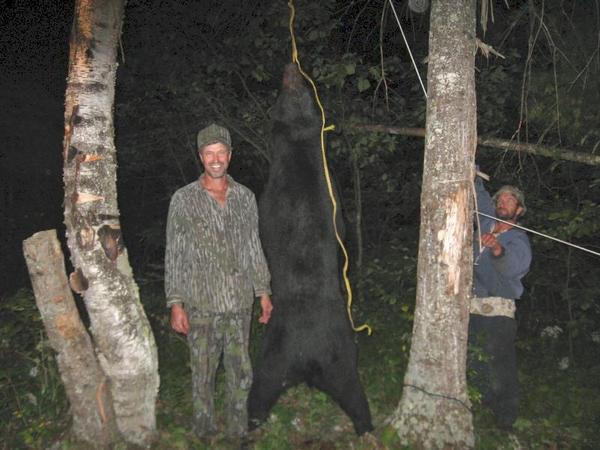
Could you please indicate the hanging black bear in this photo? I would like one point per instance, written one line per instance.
(309, 337)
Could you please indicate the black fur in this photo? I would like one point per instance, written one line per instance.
(309, 337)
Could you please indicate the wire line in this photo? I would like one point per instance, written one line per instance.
(408, 48)
(540, 234)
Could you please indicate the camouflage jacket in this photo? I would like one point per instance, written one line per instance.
(214, 261)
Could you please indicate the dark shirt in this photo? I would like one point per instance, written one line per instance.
(498, 276)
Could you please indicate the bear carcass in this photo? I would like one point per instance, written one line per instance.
(309, 337)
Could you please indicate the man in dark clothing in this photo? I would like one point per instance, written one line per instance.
(502, 256)
(214, 267)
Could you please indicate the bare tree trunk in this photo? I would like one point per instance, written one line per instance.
(122, 334)
(434, 411)
(85, 382)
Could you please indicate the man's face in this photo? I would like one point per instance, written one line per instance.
(215, 159)
(507, 207)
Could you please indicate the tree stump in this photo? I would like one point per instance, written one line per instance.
(85, 383)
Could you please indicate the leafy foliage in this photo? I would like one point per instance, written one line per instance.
(31, 392)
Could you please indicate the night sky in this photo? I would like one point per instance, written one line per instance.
(33, 55)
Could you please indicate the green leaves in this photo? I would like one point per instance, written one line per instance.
(33, 398)
(363, 84)
(571, 223)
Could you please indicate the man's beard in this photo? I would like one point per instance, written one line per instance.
(507, 216)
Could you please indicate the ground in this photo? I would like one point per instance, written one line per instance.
(560, 401)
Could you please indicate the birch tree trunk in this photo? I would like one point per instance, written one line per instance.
(125, 345)
(434, 411)
(85, 383)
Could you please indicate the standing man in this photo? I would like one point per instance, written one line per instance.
(502, 259)
(214, 266)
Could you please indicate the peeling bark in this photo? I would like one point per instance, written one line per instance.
(85, 382)
(126, 346)
(434, 411)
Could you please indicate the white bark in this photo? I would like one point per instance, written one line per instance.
(122, 334)
(434, 411)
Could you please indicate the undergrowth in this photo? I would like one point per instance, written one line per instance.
(32, 398)
(560, 401)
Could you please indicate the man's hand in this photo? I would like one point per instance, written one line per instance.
(489, 240)
(267, 308)
(179, 319)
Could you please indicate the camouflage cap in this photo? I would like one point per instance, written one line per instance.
(515, 192)
(212, 134)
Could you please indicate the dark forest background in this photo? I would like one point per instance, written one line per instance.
(185, 64)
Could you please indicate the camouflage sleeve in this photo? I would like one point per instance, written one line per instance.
(261, 277)
(175, 253)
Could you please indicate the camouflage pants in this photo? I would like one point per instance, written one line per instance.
(209, 337)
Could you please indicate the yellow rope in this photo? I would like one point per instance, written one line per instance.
(326, 170)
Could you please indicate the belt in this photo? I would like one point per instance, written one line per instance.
(493, 306)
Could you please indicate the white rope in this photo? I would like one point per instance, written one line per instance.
(408, 48)
(540, 234)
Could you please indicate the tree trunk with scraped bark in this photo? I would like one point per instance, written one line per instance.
(125, 345)
(434, 411)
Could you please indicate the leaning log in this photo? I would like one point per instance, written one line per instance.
(85, 383)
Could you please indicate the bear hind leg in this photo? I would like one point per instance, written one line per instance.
(266, 389)
(348, 393)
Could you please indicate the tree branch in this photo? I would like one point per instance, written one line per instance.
(502, 144)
